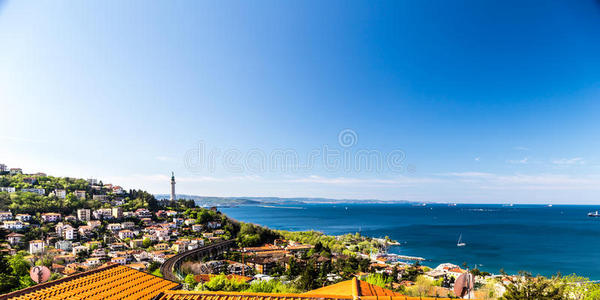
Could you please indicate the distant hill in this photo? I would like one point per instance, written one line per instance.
(233, 201)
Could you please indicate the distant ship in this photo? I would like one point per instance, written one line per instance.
(460, 243)
(451, 204)
(594, 214)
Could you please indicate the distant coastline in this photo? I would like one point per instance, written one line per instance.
(233, 201)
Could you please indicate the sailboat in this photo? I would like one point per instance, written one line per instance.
(460, 243)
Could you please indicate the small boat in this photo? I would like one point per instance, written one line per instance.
(460, 243)
(594, 214)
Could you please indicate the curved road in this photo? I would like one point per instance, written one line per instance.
(167, 268)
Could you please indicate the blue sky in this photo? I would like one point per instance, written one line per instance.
(488, 101)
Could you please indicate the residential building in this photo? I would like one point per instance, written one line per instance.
(84, 214)
(79, 194)
(3, 168)
(117, 189)
(114, 226)
(161, 246)
(15, 171)
(6, 215)
(8, 189)
(64, 245)
(51, 217)
(40, 192)
(94, 224)
(78, 249)
(214, 225)
(119, 260)
(84, 230)
(14, 238)
(69, 233)
(30, 180)
(127, 225)
(14, 225)
(143, 213)
(126, 234)
(196, 227)
(101, 198)
(117, 212)
(136, 243)
(36, 246)
(92, 262)
(23, 217)
(60, 193)
(102, 213)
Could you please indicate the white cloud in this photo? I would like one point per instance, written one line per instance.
(519, 161)
(477, 158)
(466, 174)
(569, 161)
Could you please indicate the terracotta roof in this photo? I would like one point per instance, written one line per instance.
(353, 287)
(347, 290)
(107, 282)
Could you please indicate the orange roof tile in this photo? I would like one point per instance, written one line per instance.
(107, 282)
(347, 290)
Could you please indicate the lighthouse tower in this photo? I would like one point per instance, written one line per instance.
(172, 186)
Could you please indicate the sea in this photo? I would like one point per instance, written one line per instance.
(535, 238)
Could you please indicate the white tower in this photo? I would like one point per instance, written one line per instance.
(172, 186)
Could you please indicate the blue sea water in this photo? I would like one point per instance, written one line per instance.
(535, 238)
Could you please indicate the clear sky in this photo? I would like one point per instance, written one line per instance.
(486, 101)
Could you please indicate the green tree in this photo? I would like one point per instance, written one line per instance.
(527, 287)
(190, 281)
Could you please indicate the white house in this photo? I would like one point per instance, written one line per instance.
(84, 214)
(79, 194)
(126, 234)
(14, 225)
(15, 171)
(119, 260)
(36, 246)
(113, 226)
(14, 238)
(23, 217)
(117, 190)
(5, 215)
(51, 217)
(60, 193)
(69, 233)
(8, 189)
(92, 262)
(127, 225)
(103, 213)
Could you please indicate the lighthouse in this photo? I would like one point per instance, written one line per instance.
(172, 186)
